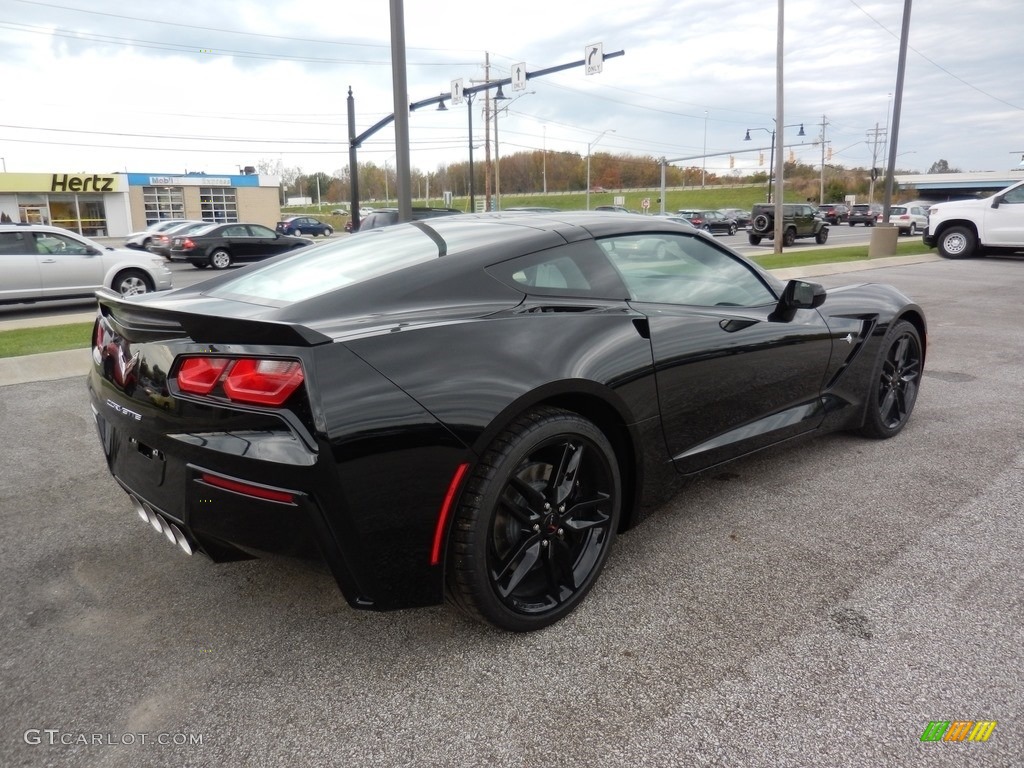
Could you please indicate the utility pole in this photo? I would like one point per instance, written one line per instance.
(875, 136)
(821, 192)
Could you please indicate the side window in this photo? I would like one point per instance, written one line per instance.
(48, 242)
(240, 231)
(576, 270)
(1014, 195)
(681, 269)
(260, 231)
(15, 244)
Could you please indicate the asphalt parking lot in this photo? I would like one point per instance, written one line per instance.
(816, 605)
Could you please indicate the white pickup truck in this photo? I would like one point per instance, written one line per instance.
(961, 229)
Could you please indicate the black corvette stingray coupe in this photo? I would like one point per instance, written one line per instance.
(474, 406)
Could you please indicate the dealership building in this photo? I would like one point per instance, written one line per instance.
(117, 204)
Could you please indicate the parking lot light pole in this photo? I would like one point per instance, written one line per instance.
(590, 146)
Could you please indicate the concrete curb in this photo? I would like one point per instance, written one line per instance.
(75, 362)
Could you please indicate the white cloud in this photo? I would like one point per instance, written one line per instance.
(264, 79)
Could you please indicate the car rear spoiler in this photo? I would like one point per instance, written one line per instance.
(150, 322)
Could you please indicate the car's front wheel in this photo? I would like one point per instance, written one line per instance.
(536, 521)
(894, 382)
(732, 229)
(957, 243)
(220, 259)
(132, 282)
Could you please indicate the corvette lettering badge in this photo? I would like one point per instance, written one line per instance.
(125, 411)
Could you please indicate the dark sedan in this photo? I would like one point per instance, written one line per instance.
(475, 406)
(221, 245)
(304, 225)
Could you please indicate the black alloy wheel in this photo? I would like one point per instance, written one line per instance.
(895, 382)
(536, 521)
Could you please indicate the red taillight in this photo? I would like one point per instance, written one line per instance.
(188, 243)
(199, 375)
(245, 380)
(264, 382)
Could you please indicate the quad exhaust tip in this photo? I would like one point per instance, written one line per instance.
(170, 530)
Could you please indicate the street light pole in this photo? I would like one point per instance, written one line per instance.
(590, 146)
(704, 160)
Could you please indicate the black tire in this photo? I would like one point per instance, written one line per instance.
(853, 223)
(536, 522)
(762, 223)
(957, 243)
(132, 282)
(894, 382)
(328, 232)
(732, 229)
(220, 259)
(789, 237)
(913, 229)
(754, 239)
(296, 233)
(203, 265)
(822, 237)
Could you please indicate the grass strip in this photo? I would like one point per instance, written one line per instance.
(797, 258)
(49, 338)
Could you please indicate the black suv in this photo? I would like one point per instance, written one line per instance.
(798, 220)
(382, 217)
(834, 213)
(865, 213)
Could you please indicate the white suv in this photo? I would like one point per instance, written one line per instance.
(910, 218)
(39, 263)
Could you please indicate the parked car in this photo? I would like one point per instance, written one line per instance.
(141, 240)
(963, 229)
(221, 245)
(911, 218)
(483, 424)
(40, 262)
(867, 214)
(161, 242)
(741, 215)
(798, 220)
(304, 225)
(385, 217)
(711, 221)
(834, 213)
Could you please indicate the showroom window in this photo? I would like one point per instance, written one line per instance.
(163, 203)
(218, 204)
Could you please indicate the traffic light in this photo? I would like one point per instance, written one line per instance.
(830, 153)
(760, 159)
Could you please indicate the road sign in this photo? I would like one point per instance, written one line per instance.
(593, 58)
(519, 76)
(457, 91)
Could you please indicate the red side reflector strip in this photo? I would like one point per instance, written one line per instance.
(256, 491)
(446, 508)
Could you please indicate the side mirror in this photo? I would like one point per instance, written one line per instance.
(798, 294)
(996, 201)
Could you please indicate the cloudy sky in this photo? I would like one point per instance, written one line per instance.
(194, 85)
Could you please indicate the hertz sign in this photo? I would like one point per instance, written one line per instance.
(77, 183)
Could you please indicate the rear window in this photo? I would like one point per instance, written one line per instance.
(898, 210)
(336, 264)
